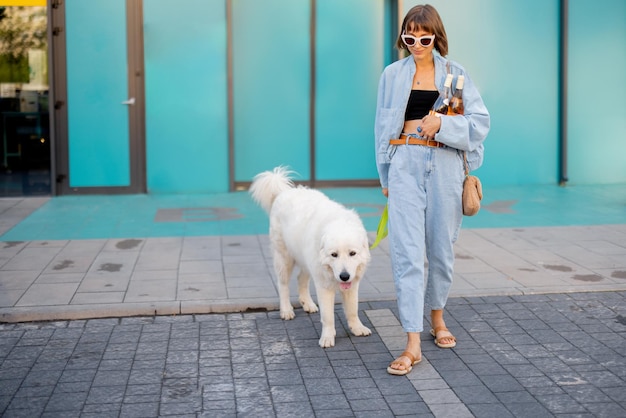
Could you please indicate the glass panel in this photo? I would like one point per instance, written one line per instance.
(595, 144)
(347, 86)
(25, 150)
(271, 85)
(496, 54)
(186, 112)
(97, 89)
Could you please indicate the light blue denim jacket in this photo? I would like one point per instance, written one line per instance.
(465, 132)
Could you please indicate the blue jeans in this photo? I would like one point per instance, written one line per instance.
(425, 214)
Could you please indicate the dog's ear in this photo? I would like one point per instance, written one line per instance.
(366, 250)
(322, 253)
(322, 249)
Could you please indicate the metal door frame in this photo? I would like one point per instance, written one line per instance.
(136, 112)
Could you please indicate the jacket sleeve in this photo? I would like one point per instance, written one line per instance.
(390, 107)
(382, 160)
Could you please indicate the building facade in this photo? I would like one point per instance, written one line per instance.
(197, 96)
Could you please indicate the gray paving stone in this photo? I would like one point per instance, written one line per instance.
(255, 406)
(288, 393)
(501, 383)
(489, 410)
(452, 409)
(373, 405)
(605, 410)
(78, 375)
(35, 391)
(138, 409)
(31, 407)
(71, 387)
(402, 405)
(63, 402)
(561, 404)
(533, 409)
(254, 363)
(106, 394)
(101, 409)
(456, 378)
(329, 402)
(294, 409)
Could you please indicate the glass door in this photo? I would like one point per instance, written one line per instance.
(99, 96)
(24, 121)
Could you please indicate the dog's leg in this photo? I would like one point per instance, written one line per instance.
(326, 299)
(283, 266)
(351, 310)
(304, 293)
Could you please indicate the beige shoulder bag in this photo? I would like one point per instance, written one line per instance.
(472, 191)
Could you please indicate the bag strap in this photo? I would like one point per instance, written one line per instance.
(465, 164)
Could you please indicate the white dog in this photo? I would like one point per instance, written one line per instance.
(324, 239)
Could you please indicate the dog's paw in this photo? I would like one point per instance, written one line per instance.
(328, 339)
(287, 314)
(361, 330)
(309, 306)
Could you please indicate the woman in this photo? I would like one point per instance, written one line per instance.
(420, 165)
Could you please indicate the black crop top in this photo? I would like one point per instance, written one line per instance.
(420, 102)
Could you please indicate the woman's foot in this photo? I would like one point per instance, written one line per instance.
(403, 364)
(409, 358)
(443, 337)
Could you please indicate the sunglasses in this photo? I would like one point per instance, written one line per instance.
(412, 40)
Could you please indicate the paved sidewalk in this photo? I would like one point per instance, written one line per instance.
(79, 279)
(186, 326)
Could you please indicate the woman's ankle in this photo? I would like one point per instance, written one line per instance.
(436, 318)
(413, 342)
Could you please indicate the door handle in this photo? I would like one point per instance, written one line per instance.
(130, 101)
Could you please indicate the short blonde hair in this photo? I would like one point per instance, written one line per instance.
(425, 17)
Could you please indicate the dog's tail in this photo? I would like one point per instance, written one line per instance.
(269, 184)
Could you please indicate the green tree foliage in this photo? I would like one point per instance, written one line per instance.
(21, 29)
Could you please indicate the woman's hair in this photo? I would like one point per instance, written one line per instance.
(426, 18)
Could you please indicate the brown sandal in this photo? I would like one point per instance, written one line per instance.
(402, 372)
(448, 335)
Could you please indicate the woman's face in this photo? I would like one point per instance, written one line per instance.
(416, 39)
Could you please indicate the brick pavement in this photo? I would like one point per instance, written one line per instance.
(517, 356)
(539, 314)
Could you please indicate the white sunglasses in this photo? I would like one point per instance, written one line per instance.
(422, 40)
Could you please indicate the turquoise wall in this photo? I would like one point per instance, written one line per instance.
(272, 86)
(346, 86)
(271, 82)
(186, 94)
(597, 92)
(513, 58)
(510, 49)
(99, 151)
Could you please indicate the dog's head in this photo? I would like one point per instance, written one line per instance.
(344, 252)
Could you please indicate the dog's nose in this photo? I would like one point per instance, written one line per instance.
(345, 276)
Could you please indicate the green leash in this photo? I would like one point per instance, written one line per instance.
(381, 232)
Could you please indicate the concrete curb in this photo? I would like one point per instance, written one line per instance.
(200, 307)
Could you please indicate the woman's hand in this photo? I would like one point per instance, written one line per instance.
(385, 192)
(430, 126)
